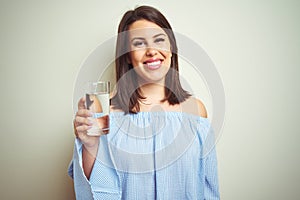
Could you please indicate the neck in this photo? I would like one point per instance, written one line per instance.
(154, 93)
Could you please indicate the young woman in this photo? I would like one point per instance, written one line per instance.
(154, 149)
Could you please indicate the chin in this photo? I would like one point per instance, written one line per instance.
(158, 80)
(152, 77)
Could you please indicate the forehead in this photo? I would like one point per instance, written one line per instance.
(144, 28)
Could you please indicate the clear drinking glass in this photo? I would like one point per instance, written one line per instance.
(97, 101)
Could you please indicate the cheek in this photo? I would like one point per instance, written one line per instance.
(135, 57)
(166, 53)
(168, 56)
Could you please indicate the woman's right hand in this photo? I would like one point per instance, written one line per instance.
(82, 124)
(90, 143)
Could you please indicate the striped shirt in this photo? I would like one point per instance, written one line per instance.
(151, 155)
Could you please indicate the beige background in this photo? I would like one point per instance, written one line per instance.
(254, 44)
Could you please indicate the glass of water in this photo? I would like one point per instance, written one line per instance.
(97, 101)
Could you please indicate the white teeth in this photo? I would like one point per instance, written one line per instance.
(154, 63)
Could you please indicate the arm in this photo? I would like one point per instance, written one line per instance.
(90, 143)
(211, 182)
(88, 159)
(93, 179)
(211, 190)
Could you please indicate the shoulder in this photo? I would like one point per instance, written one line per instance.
(194, 106)
(201, 108)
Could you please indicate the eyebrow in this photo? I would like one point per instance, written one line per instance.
(160, 34)
(141, 38)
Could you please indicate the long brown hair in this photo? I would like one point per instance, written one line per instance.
(128, 94)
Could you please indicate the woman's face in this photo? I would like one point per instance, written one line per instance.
(150, 51)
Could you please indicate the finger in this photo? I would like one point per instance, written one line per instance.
(82, 120)
(81, 103)
(82, 129)
(75, 130)
(84, 113)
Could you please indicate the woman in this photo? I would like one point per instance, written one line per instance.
(154, 149)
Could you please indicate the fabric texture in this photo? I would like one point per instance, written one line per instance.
(151, 155)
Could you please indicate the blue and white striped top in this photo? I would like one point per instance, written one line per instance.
(151, 155)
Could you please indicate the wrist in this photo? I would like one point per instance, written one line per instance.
(91, 145)
(91, 150)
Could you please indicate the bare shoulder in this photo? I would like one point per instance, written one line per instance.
(195, 106)
(201, 108)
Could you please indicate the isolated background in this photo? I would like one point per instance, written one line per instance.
(255, 46)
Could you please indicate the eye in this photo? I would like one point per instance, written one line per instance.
(139, 43)
(159, 40)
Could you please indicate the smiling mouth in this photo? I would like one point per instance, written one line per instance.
(152, 65)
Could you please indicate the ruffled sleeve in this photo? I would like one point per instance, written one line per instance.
(103, 182)
(82, 186)
(211, 190)
(209, 159)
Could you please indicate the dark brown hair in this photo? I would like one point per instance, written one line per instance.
(128, 94)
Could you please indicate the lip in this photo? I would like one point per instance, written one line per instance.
(153, 64)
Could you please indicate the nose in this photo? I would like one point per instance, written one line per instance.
(151, 52)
